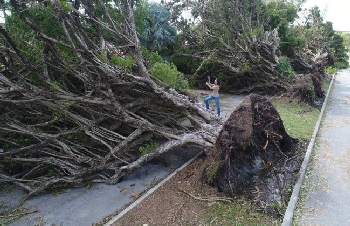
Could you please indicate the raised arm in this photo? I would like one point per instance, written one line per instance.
(209, 85)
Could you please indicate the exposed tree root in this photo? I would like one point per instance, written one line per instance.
(253, 155)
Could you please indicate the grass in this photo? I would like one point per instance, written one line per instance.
(240, 212)
(299, 119)
(326, 83)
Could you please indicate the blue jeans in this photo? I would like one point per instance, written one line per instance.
(217, 103)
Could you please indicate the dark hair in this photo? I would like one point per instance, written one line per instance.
(217, 81)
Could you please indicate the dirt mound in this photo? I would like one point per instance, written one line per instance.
(307, 88)
(252, 154)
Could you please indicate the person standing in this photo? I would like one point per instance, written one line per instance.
(214, 95)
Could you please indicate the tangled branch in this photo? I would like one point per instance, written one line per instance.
(65, 122)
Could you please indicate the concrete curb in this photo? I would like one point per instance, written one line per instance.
(151, 191)
(288, 216)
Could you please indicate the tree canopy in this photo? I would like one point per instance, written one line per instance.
(153, 25)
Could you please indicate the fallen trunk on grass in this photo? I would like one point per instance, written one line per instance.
(254, 155)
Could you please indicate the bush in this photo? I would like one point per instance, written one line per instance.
(125, 63)
(148, 148)
(284, 67)
(341, 64)
(331, 70)
(168, 74)
(151, 57)
(163, 71)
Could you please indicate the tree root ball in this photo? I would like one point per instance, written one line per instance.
(317, 82)
(252, 153)
(308, 89)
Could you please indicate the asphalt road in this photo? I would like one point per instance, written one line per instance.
(326, 189)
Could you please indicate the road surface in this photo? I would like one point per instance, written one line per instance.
(325, 196)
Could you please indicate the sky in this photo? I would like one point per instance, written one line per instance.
(336, 11)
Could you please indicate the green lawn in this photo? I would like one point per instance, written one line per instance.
(298, 119)
(239, 212)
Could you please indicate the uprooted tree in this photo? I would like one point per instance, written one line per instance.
(67, 114)
(233, 39)
(254, 156)
(253, 46)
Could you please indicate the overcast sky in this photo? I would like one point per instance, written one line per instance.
(336, 11)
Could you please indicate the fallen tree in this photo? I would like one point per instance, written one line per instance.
(234, 42)
(66, 121)
(253, 46)
(308, 89)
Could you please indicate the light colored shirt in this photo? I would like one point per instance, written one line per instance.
(214, 88)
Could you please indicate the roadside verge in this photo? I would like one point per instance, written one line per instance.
(289, 213)
(150, 191)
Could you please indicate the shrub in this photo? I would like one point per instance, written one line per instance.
(20, 33)
(341, 64)
(181, 83)
(148, 148)
(168, 74)
(125, 63)
(284, 67)
(331, 70)
(151, 57)
(163, 71)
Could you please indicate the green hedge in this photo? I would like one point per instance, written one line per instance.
(169, 74)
